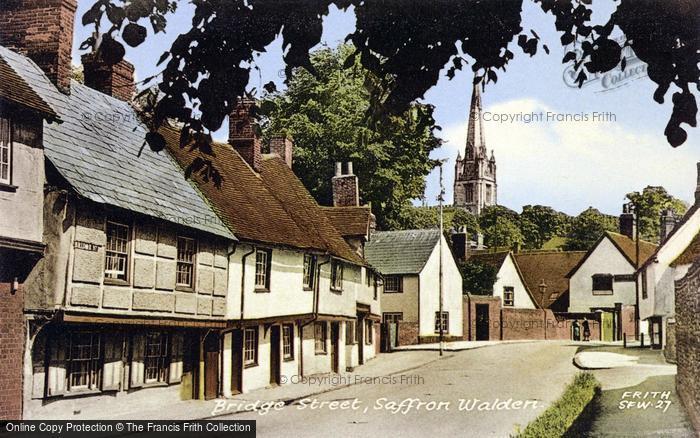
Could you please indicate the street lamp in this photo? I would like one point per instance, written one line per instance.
(441, 198)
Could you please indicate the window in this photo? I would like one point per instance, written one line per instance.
(443, 322)
(288, 342)
(185, 262)
(508, 296)
(250, 346)
(645, 293)
(469, 193)
(602, 284)
(155, 358)
(320, 335)
(392, 317)
(309, 270)
(369, 331)
(350, 333)
(336, 275)
(84, 364)
(5, 151)
(393, 284)
(117, 251)
(262, 269)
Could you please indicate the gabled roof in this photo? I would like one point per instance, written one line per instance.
(550, 268)
(99, 151)
(693, 210)
(401, 252)
(626, 246)
(690, 254)
(350, 221)
(14, 89)
(494, 259)
(271, 207)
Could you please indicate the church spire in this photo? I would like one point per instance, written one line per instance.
(475, 130)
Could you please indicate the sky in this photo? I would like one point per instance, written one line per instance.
(589, 147)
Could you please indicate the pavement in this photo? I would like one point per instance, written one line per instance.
(455, 345)
(638, 397)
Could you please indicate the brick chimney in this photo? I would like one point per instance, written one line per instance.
(43, 31)
(667, 224)
(346, 191)
(114, 80)
(628, 223)
(697, 187)
(460, 243)
(242, 133)
(283, 146)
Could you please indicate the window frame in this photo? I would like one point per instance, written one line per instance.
(645, 291)
(309, 270)
(162, 360)
(192, 264)
(254, 346)
(287, 356)
(336, 280)
(320, 337)
(602, 291)
(267, 267)
(508, 302)
(126, 253)
(444, 321)
(95, 362)
(393, 316)
(399, 284)
(350, 332)
(369, 332)
(10, 151)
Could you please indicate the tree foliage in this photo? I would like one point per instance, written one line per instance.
(587, 227)
(538, 224)
(478, 277)
(324, 114)
(650, 202)
(500, 226)
(406, 44)
(429, 217)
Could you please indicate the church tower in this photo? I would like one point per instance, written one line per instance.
(475, 173)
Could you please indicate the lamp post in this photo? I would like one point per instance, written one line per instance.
(634, 207)
(441, 198)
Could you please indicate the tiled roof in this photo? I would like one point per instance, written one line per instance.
(494, 259)
(99, 149)
(692, 211)
(550, 267)
(271, 207)
(628, 247)
(350, 221)
(690, 254)
(401, 252)
(14, 89)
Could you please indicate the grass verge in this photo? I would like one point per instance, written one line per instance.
(558, 418)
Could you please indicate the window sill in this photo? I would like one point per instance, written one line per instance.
(184, 288)
(261, 290)
(82, 393)
(250, 365)
(8, 187)
(115, 282)
(335, 290)
(602, 292)
(308, 289)
(288, 359)
(154, 385)
(321, 353)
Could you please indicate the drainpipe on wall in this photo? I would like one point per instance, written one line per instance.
(317, 293)
(245, 256)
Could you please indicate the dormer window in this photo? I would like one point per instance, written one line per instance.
(5, 151)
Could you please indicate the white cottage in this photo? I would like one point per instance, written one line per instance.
(510, 285)
(409, 260)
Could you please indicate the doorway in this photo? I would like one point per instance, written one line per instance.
(237, 362)
(335, 339)
(482, 322)
(275, 355)
(360, 331)
(211, 366)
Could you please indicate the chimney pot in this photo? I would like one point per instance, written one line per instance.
(350, 168)
(114, 80)
(242, 133)
(628, 222)
(42, 31)
(346, 191)
(338, 168)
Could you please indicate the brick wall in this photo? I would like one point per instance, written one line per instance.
(11, 351)
(627, 321)
(42, 30)
(687, 345)
(345, 191)
(408, 333)
(114, 80)
(522, 324)
(469, 315)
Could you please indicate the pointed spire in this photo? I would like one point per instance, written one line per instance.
(475, 130)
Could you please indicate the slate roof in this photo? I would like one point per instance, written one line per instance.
(690, 254)
(271, 206)
(401, 252)
(494, 259)
(14, 89)
(350, 221)
(96, 149)
(552, 267)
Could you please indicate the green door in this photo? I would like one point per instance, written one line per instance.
(606, 326)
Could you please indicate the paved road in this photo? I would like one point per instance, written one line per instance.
(519, 380)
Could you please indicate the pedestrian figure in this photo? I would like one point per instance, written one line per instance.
(586, 330)
(576, 330)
